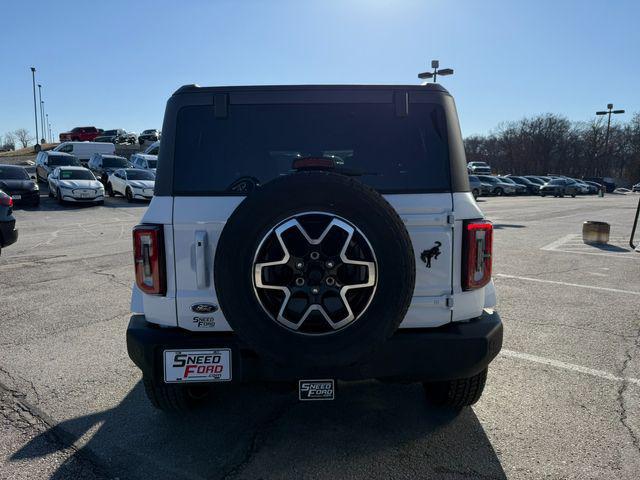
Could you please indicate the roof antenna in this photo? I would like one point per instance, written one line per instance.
(435, 64)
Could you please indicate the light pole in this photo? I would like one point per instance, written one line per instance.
(435, 64)
(41, 113)
(608, 112)
(49, 125)
(35, 108)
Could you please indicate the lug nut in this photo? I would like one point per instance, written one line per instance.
(314, 255)
(330, 281)
(299, 281)
(315, 290)
(330, 264)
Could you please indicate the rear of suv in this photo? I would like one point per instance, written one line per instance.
(311, 234)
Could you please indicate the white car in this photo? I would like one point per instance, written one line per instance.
(75, 184)
(144, 161)
(153, 149)
(132, 183)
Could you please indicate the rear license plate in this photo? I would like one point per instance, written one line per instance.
(16, 197)
(316, 390)
(182, 366)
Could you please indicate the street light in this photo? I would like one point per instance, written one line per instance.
(49, 125)
(35, 108)
(608, 112)
(435, 64)
(41, 113)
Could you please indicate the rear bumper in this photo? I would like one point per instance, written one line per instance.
(8, 233)
(455, 350)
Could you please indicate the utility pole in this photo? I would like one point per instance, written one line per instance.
(435, 64)
(42, 140)
(608, 112)
(35, 108)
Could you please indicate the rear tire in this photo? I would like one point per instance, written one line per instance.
(174, 398)
(475, 193)
(499, 192)
(456, 393)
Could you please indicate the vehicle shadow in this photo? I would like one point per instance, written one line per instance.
(500, 226)
(606, 247)
(249, 431)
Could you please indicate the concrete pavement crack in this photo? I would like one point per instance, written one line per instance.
(256, 440)
(624, 415)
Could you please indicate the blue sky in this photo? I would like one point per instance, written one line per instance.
(114, 64)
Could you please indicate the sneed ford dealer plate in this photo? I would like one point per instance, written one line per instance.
(316, 389)
(182, 366)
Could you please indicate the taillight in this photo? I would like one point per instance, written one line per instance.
(6, 200)
(477, 248)
(148, 255)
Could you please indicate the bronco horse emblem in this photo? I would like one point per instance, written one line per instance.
(433, 252)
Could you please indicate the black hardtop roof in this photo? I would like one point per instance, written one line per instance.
(194, 88)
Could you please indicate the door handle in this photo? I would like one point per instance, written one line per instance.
(201, 264)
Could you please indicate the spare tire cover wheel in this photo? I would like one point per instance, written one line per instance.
(314, 268)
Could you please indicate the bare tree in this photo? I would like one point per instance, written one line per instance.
(9, 139)
(23, 136)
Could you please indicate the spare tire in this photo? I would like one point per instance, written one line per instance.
(314, 268)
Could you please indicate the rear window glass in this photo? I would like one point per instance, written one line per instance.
(55, 161)
(115, 162)
(391, 153)
(140, 175)
(76, 175)
(13, 173)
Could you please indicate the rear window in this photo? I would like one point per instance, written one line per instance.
(391, 153)
(56, 161)
(140, 175)
(152, 163)
(13, 173)
(115, 162)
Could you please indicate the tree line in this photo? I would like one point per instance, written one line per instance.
(21, 135)
(551, 143)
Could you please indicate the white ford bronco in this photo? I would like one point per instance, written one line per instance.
(309, 234)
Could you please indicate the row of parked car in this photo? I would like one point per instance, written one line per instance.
(543, 185)
(84, 176)
(115, 136)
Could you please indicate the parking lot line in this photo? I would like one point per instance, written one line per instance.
(568, 366)
(593, 287)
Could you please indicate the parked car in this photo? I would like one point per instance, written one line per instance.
(599, 187)
(498, 187)
(559, 187)
(153, 149)
(104, 165)
(8, 231)
(479, 168)
(585, 188)
(144, 161)
(636, 187)
(535, 180)
(132, 183)
(83, 150)
(520, 189)
(476, 186)
(75, 184)
(117, 136)
(608, 182)
(218, 266)
(533, 188)
(152, 135)
(80, 134)
(46, 161)
(15, 181)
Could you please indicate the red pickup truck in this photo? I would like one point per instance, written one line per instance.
(80, 134)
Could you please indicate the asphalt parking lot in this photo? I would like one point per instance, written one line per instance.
(562, 400)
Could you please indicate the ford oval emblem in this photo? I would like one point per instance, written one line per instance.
(203, 308)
